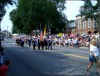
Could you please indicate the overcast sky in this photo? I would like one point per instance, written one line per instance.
(72, 9)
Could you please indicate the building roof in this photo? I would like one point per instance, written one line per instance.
(78, 15)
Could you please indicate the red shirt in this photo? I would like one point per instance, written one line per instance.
(3, 70)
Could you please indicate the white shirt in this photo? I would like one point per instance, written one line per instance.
(94, 49)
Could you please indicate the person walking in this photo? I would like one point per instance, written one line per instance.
(29, 42)
(1, 55)
(4, 68)
(34, 43)
(94, 56)
(38, 42)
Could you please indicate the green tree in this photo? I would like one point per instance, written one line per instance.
(16, 20)
(91, 11)
(3, 3)
(35, 14)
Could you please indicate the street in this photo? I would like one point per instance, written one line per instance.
(61, 61)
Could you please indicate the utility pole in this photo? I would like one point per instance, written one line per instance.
(7, 32)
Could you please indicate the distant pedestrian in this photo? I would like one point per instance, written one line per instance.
(38, 44)
(94, 56)
(1, 55)
(50, 43)
(4, 68)
(42, 44)
(34, 43)
(29, 41)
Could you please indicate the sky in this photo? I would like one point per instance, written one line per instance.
(72, 9)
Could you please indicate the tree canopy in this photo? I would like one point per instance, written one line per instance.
(36, 14)
(91, 11)
(3, 3)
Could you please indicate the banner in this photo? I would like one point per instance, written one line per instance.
(44, 31)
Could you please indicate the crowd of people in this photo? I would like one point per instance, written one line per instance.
(41, 43)
(69, 40)
(75, 40)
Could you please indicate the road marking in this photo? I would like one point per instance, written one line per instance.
(76, 50)
(75, 55)
(78, 56)
(9, 43)
(84, 52)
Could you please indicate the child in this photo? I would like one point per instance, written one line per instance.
(4, 68)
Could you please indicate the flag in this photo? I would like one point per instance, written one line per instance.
(41, 35)
(44, 31)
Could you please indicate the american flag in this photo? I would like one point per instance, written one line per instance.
(41, 35)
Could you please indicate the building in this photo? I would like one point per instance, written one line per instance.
(85, 26)
(71, 26)
(6, 34)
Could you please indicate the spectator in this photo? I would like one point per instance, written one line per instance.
(1, 55)
(94, 56)
(4, 68)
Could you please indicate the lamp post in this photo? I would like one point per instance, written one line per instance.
(7, 32)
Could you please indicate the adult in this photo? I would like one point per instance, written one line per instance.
(94, 55)
(34, 43)
(1, 55)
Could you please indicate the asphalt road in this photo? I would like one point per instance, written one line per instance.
(61, 61)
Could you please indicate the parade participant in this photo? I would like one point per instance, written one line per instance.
(34, 43)
(38, 41)
(94, 55)
(29, 42)
(42, 44)
(22, 42)
(45, 43)
(50, 43)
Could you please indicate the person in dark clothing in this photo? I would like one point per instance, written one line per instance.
(38, 44)
(42, 44)
(34, 43)
(1, 56)
(45, 43)
(22, 42)
(29, 42)
(49, 44)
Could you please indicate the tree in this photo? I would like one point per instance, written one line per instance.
(16, 20)
(3, 3)
(90, 11)
(35, 14)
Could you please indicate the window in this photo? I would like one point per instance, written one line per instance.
(94, 23)
(84, 24)
(89, 23)
(79, 24)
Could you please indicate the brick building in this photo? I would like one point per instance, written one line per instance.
(85, 26)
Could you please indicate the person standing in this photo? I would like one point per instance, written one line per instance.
(29, 42)
(1, 56)
(50, 43)
(38, 42)
(4, 68)
(94, 56)
(34, 43)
